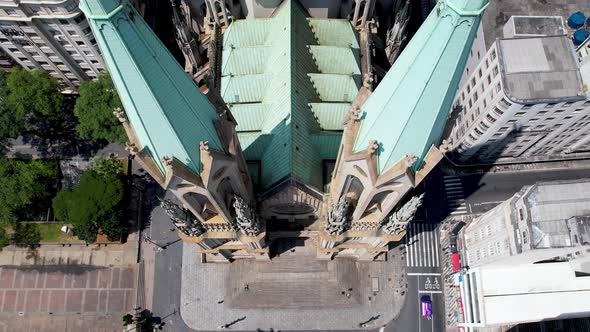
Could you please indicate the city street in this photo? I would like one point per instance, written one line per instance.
(167, 274)
(478, 193)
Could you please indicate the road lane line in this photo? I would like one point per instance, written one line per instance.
(423, 274)
(407, 247)
(436, 238)
(429, 247)
(423, 240)
(429, 292)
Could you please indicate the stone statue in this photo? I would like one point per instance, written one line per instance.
(399, 219)
(183, 219)
(246, 218)
(338, 217)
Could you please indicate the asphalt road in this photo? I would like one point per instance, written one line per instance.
(484, 191)
(167, 274)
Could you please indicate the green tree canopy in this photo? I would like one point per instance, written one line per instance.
(25, 234)
(94, 109)
(93, 204)
(10, 122)
(22, 184)
(33, 92)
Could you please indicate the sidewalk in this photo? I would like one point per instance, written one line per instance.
(76, 254)
(448, 168)
(451, 292)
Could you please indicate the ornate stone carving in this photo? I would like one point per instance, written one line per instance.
(338, 217)
(183, 219)
(364, 226)
(399, 219)
(246, 218)
(166, 160)
(204, 145)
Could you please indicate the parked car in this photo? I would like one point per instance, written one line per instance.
(426, 306)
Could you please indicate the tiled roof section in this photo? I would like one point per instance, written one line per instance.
(168, 113)
(407, 112)
(289, 80)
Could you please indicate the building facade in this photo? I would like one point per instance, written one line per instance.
(526, 99)
(290, 139)
(538, 239)
(50, 35)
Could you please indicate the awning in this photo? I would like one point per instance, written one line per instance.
(456, 262)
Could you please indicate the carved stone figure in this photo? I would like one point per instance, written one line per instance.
(396, 36)
(183, 219)
(246, 218)
(338, 217)
(399, 220)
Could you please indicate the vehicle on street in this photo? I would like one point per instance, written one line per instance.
(426, 306)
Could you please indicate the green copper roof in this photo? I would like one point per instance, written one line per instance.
(289, 81)
(407, 112)
(167, 111)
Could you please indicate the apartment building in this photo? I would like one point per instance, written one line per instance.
(52, 35)
(538, 241)
(526, 99)
(542, 216)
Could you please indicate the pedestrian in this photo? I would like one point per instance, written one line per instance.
(246, 287)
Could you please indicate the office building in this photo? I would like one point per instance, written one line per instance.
(525, 100)
(528, 258)
(53, 36)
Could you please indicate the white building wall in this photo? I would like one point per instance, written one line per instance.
(50, 35)
(491, 126)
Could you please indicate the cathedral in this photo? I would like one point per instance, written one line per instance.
(279, 124)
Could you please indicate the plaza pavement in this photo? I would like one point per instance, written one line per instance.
(290, 293)
(70, 296)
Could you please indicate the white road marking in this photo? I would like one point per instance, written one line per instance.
(429, 292)
(423, 274)
(422, 246)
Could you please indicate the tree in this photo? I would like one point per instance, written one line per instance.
(111, 166)
(24, 186)
(4, 238)
(25, 234)
(94, 109)
(93, 204)
(34, 96)
(10, 122)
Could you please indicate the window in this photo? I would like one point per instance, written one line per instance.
(489, 79)
(578, 110)
(487, 64)
(473, 82)
(519, 114)
(79, 18)
(479, 57)
(533, 120)
(498, 87)
(79, 42)
(64, 22)
(503, 129)
(54, 10)
(498, 111)
(87, 52)
(495, 71)
(11, 12)
(567, 103)
(71, 6)
(493, 55)
(550, 105)
(479, 73)
(86, 31)
(475, 96)
(490, 118)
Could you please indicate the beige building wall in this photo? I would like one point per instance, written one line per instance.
(50, 35)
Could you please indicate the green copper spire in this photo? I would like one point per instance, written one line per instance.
(407, 112)
(167, 111)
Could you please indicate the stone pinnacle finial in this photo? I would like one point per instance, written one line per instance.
(120, 114)
(167, 160)
(373, 146)
(204, 145)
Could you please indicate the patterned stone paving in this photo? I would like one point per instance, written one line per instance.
(65, 290)
(293, 292)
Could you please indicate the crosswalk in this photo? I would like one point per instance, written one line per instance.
(455, 195)
(422, 245)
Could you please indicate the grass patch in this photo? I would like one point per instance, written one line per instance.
(51, 232)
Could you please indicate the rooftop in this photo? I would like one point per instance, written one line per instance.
(528, 26)
(499, 12)
(553, 206)
(539, 69)
(289, 80)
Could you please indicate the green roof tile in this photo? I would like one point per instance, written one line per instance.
(293, 78)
